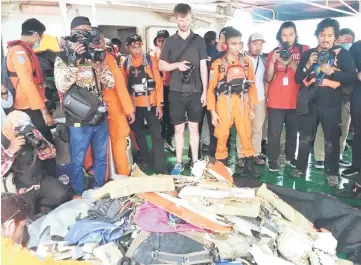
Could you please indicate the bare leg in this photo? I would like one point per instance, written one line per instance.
(179, 141)
(194, 139)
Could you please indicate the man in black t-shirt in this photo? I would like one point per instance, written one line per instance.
(188, 83)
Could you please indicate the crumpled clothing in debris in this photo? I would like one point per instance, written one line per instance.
(110, 210)
(150, 218)
(91, 231)
(65, 216)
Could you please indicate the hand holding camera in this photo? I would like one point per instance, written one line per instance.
(276, 56)
(183, 66)
(79, 48)
(312, 60)
(16, 144)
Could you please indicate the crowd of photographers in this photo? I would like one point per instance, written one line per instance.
(106, 96)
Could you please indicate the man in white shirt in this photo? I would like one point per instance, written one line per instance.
(255, 46)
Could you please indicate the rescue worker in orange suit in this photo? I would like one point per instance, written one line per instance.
(27, 78)
(167, 127)
(120, 58)
(117, 44)
(231, 98)
(120, 111)
(146, 87)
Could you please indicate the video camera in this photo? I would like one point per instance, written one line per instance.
(90, 40)
(30, 138)
(284, 53)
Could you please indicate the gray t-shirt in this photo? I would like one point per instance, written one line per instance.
(196, 52)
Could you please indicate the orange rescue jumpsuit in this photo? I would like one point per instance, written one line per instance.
(237, 113)
(29, 94)
(119, 105)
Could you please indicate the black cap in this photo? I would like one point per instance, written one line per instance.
(79, 21)
(133, 39)
(32, 25)
(161, 33)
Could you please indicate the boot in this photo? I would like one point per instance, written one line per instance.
(250, 169)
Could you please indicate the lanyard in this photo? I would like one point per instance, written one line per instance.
(255, 72)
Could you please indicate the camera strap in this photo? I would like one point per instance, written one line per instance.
(96, 82)
(180, 54)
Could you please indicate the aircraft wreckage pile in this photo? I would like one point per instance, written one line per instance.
(203, 219)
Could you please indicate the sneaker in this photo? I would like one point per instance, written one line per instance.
(349, 172)
(178, 169)
(353, 191)
(273, 166)
(296, 173)
(258, 160)
(291, 163)
(344, 163)
(320, 165)
(262, 156)
(250, 169)
(241, 162)
(333, 180)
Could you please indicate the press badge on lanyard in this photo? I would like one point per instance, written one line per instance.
(285, 80)
(285, 77)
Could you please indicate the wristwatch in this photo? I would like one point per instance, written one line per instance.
(4, 93)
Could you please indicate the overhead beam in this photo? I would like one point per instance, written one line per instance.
(259, 7)
(258, 15)
(328, 8)
(348, 6)
(164, 10)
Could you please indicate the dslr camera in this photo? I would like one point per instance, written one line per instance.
(284, 53)
(90, 40)
(323, 57)
(187, 75)
(30, 138)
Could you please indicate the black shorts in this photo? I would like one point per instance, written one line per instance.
(180, 105)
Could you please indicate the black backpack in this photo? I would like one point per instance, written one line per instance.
(5, 78)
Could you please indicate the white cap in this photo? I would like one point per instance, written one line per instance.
(256, 36)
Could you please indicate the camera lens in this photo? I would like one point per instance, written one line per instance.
(34, 142)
